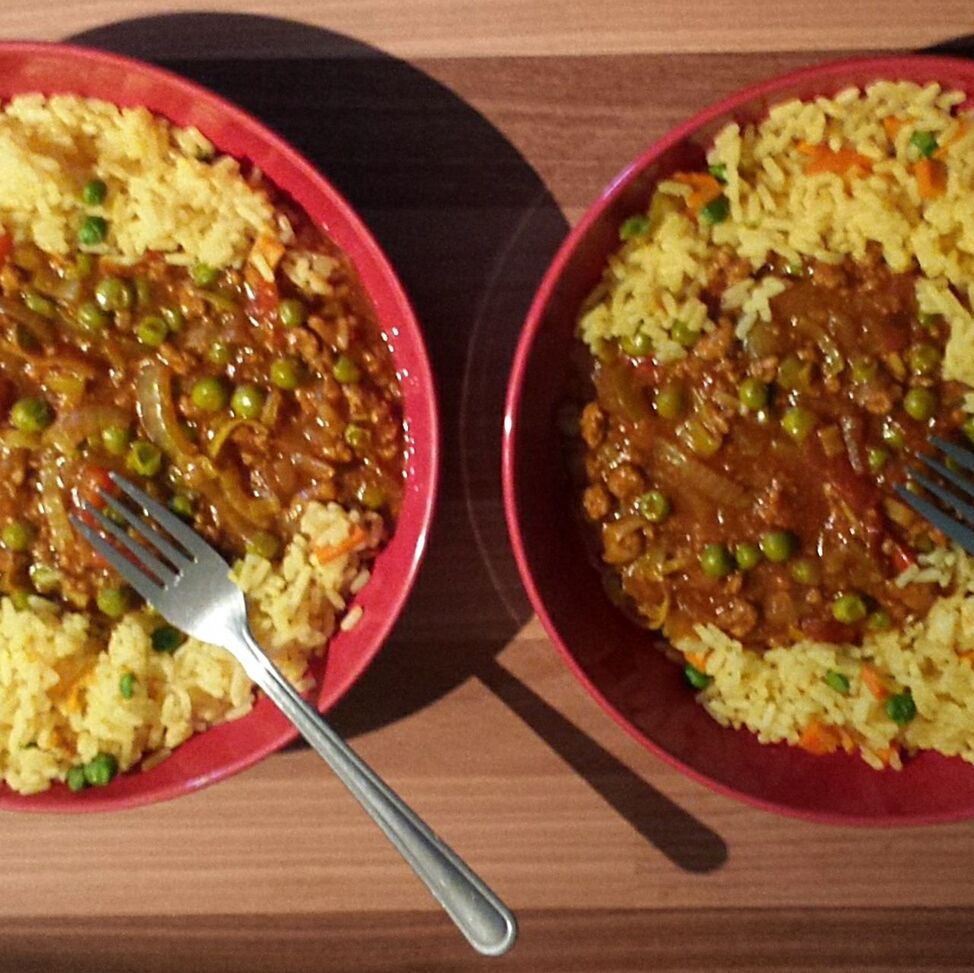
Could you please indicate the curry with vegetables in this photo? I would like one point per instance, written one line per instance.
(234, 396)
(749, 484)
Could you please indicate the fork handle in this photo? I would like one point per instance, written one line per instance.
(477, 912)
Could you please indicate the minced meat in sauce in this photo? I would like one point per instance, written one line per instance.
(749, 484)
(233, 398)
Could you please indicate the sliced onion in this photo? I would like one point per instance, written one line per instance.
(73, 428)
(692, 475)
(153, 391)
(53, 503)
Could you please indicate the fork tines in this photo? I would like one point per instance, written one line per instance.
(954, 528)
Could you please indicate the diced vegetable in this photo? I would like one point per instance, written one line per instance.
(31, 414)
(166, 638)
(126, 685)
(262, 543)
(292, 312)
(113, 602)
(247, 401)
(670, 401)
(716, 211)
(683, 334)
(754, 394)
(144, 458)
(634, 226)
(748, 556)
(102, 770)
(806, 571)
(920, 403)
(93, 231)
(18, 535)
(798, 423)
(696, 678)
(93, 192)
(837, 681)
(778, 545)
(114, 294)
(924, 142)
(204, 275)
(346, 371)
(901, 708)
(716, 561)
(931, 177)
(152, 331)
(719, 172)
(654, 506)
(209, 395)
(849, 608)
(638, 345)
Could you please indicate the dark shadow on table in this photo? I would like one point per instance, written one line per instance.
(470, 228)
(962, 46)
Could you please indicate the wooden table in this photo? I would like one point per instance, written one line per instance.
(470, 134)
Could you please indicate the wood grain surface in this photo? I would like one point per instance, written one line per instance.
(470, 135)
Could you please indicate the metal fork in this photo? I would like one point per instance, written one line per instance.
(188, 583)
(956, 530)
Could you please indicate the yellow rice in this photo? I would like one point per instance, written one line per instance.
(776, 208)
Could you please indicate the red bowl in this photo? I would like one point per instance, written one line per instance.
(226, 749)
(614, 659)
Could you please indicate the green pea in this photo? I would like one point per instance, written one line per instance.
(837, 681)
(968, 428)
(45, 579)
(893, 435)
(167, 639)
(924, 142)
(920, 404)
(634, 226)
(263, 544)
(753, 394)
(114, 294)
(806, 571)
(748, 556)
(93, 192)
(358, 437)
(291, 312)
(670, 401)
(849, 608)
(901, 708)
(102, 770)
(285, 373)
(371, 496)
(126, 685)
(39, 304)
(247, 401)
(92, 318)
(876, 457)
(182, 506)
(638, 345)
(75, 779)
(716, 211)
(144, 458)
(93, 231)
(172, 316)
(923, 358)
(684, 335)
(346, 371)
(863, 370)
(209, 395)
(152, 331)
(31, 414)
(219, 353)
(778, 545)
(718, 171)
(654, 506)
(879, 620)
(204, 275)
(18, 535)
(115, 439)
(696, 678)
(798, 423)
(716, 561)
(113, 602)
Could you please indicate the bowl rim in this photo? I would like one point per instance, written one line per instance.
(421, 373)
(884, 67)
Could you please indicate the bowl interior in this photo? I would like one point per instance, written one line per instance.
(616, 660)
(207, 757)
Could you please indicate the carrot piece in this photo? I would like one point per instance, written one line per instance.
(705, 188)
(839, 161)
(875, 682)
(888, 754)
(892, 124)
(931, 176)
(697, 660)
(819, 738)
(847, 740)
(807, 148)
(328, 552)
